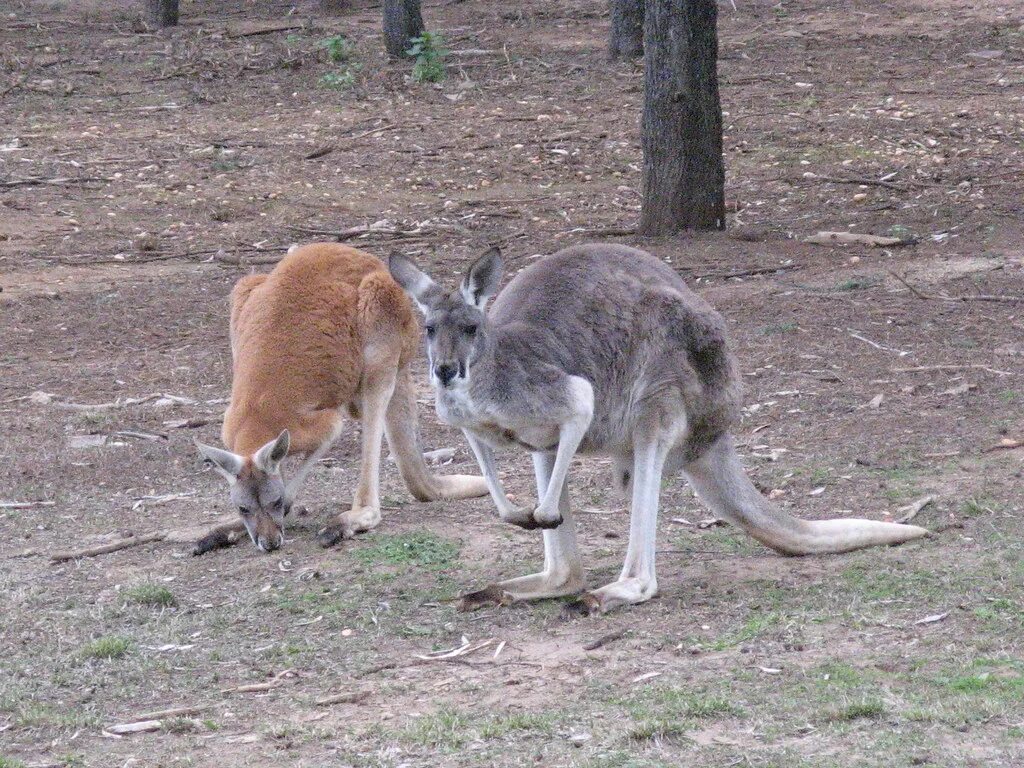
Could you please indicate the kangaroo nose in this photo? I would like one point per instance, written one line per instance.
(269, 543)
(445, 373)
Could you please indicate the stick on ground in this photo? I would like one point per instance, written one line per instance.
(114, 546)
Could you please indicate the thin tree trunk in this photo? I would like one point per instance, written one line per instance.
(402, 22)
(627, 38)
(162, 13)
(681, 132)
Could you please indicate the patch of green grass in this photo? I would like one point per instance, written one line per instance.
(498, 727)
(753, 627)
(37, 715)
(109, 647)
(869, 709)
(156, 595)
(666, 713)
(422, 549)
(779, 328)
(342, 79)
(837, 673)
(858, 283)
(446, 728)
(10, 762)
(820, 476)
(449, 729)
(429, 52)
(657, 731)
(180, 725)
(976, 506)
(1009, 396)
(339, 48)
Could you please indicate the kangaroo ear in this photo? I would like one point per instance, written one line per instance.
(424, 291)
(269, 457)
(227, 463)
(483, 278)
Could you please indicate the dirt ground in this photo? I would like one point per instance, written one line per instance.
(142, 174)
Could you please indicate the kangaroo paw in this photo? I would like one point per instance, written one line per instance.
(484, 598)
(332, 534)
(215, 540)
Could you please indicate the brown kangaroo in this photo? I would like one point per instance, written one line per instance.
(327, 332)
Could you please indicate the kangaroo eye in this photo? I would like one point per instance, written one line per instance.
(245, 511)
(470, 330)
(430, 330)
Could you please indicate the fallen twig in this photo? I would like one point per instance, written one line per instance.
(866, 182)
(155, 501)
(263, 29)
(965, 367)
(593, 645)
(25, 504)
(162, 714)
(847, 238)
(1006, 444)
(158, 398)
(876, 345)
(125, 729)
(748, 272)
(35, 181)
(114, 546)
(910, 511)
(350, 697)
(453, 653)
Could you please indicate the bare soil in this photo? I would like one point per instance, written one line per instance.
(142, 173)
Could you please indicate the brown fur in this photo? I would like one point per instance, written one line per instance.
(328, 333)
(305, 337)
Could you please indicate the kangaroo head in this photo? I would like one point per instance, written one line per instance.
(258, 491)
(455, 322)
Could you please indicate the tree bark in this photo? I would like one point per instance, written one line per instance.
(162, 13)
(627, 38)
(402, 22)
(681, 131)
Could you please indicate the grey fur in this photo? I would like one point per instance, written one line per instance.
(602, 349)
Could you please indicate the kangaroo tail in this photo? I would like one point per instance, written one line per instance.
(720, 482)
(400, 428)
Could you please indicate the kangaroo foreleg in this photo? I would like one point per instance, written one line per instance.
(221, 536)
(507, 511)
(570, 435)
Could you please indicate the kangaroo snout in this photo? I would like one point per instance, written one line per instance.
(445, 373)
(269, 543)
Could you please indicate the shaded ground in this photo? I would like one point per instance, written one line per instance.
(130, 160)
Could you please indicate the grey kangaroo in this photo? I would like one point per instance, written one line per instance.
(602, 349)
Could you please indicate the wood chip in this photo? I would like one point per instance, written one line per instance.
(910, 511)
(124, 729)
(932, 619)
(645, 676)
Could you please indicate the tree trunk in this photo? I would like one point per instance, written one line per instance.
(402, 22)
(681, 131)
(627, 38)
(162, 13)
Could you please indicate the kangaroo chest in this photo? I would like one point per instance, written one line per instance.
(456, 408)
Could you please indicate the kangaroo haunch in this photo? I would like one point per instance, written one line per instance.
(327, 332)
(602, 349)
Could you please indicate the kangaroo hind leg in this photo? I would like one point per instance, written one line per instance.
(563, 568)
